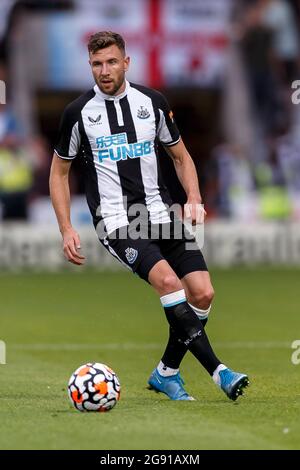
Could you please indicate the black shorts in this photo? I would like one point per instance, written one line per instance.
(141, 254)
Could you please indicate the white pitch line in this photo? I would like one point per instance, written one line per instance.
(84, 347)
(142, 346)
(254, 344)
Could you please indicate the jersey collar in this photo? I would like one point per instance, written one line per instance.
(112, 98)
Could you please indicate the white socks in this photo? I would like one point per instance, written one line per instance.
(201, 314)
(174, 298)
(216, 377)
(166, 371)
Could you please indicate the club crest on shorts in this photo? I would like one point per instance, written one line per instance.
(131, 255)
(143, 113)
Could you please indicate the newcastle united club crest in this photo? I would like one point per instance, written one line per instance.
(143, 113)
(131, 255)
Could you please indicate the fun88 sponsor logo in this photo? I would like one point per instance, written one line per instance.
(115, 147)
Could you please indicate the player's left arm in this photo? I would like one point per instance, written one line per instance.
(187, 175)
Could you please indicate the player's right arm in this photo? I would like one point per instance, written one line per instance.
(60, 197)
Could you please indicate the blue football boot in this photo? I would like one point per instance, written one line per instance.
(172, 386)
(232, 383)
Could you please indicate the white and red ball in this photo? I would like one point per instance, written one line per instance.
(94, 387)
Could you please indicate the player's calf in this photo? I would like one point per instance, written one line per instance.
(189, 329)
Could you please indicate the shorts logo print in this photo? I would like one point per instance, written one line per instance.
(131, 255)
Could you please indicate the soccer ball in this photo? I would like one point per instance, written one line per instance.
(94, 387)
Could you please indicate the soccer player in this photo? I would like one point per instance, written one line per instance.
(113, 129)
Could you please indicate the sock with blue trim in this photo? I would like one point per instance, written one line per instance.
(201, 314)
(189, 329)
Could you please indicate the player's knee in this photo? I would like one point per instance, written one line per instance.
(170, 283)
(203, 298)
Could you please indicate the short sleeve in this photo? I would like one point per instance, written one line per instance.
(167, 131)
(69, 140)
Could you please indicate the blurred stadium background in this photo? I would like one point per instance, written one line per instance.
(227, 68)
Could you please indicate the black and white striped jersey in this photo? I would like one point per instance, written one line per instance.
(116, 139)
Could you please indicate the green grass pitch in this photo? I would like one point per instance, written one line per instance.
(53, 323)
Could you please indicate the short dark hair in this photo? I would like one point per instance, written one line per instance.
(104, 39)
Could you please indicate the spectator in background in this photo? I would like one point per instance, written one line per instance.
(15, 170)
(11, 10)
(235, 181)
(273, 197)
(288, 154)
(287, 147)
(278, 16)
(24, 167)
(256, 43)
